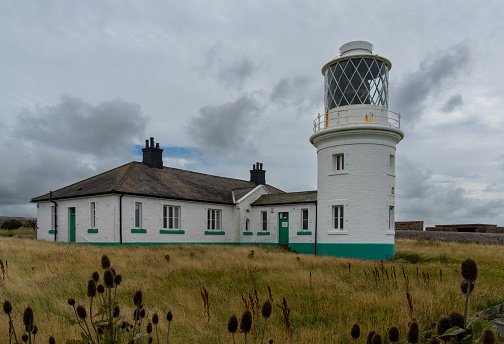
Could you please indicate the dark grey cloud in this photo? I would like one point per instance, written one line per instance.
(452, 103)
(233, 74)
(298, 92)
(432, 77)
(226, 128)
(420, 198)
(101, 130)
(53, 146)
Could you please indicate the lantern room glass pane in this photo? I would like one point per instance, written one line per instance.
(356, 81)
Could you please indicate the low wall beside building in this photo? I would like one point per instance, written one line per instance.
(458, 237)
(409, 226)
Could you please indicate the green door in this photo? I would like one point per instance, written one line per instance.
(71, 224)
(283, 228)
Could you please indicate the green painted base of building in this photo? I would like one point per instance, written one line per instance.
(358, 251)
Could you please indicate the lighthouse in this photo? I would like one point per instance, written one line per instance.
(356, 140)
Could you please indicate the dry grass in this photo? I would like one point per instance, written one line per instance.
(326, 295)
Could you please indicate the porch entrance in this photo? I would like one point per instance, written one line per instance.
(283, 228)
(71, 224)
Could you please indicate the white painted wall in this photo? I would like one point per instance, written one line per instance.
(364, 188)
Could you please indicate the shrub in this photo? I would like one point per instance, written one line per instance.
(12, 224)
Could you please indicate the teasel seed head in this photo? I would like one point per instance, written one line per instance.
(105, 262)
(117, 279)
(113, 271)
(142, 313)
(116, 311)
(71, 302)
(137, 298)
(266, 309)
(150, 340)
(24, 337)
(99, 330)
(413, 332)
(488, 336)
(456, 319)
(108, 278)
(81, 312)
(467, 286)
(393, 334)
(100, 289)
(443, 324)
(149, 328)
(95, 276)
(28, 316)
(155, 319)
(7, 307)
(370, 336)
(469, 269)
(232, 324)
(355, 331)
(169, 316)
(270, 341)
(246, 321)
(52, 340)
(91, 288)
(376, 339)
(136, 314)
(34, 329)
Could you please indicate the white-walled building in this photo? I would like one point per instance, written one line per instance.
(351, 214)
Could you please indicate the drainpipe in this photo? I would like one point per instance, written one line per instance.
(120, 219)
(316, 209)
(55, 215)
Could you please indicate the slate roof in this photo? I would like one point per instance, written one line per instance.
(287, 198)
(137, 178)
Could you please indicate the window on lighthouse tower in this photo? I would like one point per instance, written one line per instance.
(338, 163)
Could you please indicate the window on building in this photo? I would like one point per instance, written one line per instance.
(338, 217)
(391, 220)
(338, 162)
(138, 215)
(392, 164)
(264, 220)
(247, 225)
(92, 215)
(171, 217)
(214, 220)
(304, 219)
(53, 217)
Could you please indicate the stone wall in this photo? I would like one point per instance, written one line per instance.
(474, 228)
(476, 238)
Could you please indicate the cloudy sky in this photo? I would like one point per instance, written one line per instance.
(223, 84)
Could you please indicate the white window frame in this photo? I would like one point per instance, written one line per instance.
(171, 217)
(264, 220)
(92, 214)
(304, 221)
(338, 216)
(392, 165)
(338, 162)
(391, 218)
(138, 215)
(214, 219)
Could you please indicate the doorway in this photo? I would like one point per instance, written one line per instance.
(71, 224)
(283, 228)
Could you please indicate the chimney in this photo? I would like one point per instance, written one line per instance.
(257, 174)
(152, 154)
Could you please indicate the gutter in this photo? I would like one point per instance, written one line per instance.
(55, 215)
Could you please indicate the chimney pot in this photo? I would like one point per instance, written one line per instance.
(157, 145)
(152, 142)
(146, 143)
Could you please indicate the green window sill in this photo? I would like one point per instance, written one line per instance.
(171, 231)
(138, 230)
(52, 231)
(92, 230)
(263, 233)
(304, 233)
(248, 233)
(215, 232)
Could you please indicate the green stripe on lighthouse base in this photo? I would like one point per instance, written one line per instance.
(360, 251)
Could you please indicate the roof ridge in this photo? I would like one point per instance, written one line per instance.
(123, 178)
(206, 174)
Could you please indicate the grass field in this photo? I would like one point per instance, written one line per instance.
(19, 231)
(325, 295)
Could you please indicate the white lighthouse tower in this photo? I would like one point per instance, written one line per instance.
(356, 142)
